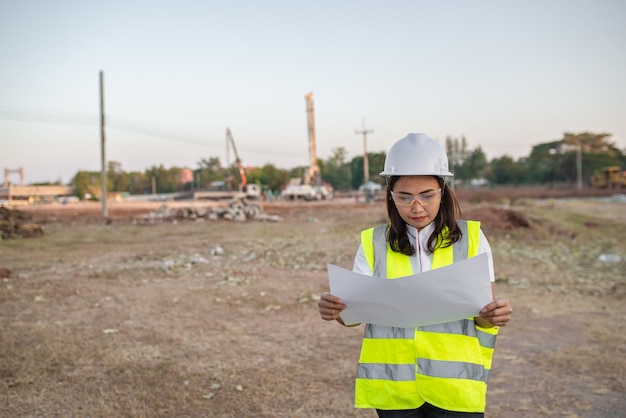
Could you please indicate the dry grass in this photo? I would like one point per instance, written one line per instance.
(93, 324)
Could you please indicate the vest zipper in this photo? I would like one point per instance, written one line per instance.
(419, 249)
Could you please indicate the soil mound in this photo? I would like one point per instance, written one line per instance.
(494, 219)
(18, 224)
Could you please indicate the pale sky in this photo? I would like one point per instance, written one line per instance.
(506, 75)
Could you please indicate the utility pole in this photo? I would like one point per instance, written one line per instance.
(227, 150)
(579, 167)
(366, 168)
(103, 168)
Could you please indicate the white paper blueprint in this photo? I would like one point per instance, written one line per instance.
(446, 294)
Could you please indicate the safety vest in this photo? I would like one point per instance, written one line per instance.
(446, 365)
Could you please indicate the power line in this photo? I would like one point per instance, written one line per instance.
(125, 125)
(68, 118)
(84, 119)
(136, 128)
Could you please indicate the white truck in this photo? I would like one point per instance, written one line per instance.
(251, 191)
(296, 189)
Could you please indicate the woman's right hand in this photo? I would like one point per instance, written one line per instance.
(330, 307)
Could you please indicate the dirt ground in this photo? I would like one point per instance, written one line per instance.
(199, 318)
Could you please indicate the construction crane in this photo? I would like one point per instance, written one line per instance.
(313, 175)
(309, 186)
(245, 190)
(242, 171)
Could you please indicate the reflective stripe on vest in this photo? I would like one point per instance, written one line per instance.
(445, 364)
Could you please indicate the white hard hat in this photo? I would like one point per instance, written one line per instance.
(416, 154)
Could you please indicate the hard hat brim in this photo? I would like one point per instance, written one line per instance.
(385, 174)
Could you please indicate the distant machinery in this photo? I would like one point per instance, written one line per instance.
(8, 171)
(242, 171)
(310, 186)
(28, 194)
(313, 175)
(612, 177)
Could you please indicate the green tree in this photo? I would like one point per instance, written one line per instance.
(116, 177)
(475, 164)
(557, 161)
(209, 170)
(457, 152)
(596, 152)
(505, 170)
(337, 171)
(138, 183)
(592, 143)
(167, 180)
(297, 172)
(269, 176)
(375, 161)
(545, 163)
(86, 183)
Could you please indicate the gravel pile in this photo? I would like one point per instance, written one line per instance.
(18, 224)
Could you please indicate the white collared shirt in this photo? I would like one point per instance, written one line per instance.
(422, 260)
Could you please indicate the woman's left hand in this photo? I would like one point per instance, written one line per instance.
(497, 312)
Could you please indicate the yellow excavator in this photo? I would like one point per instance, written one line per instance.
(612, 177)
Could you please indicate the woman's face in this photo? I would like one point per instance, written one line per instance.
(417, 199)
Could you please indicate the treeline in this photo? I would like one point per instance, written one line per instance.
(550, 163)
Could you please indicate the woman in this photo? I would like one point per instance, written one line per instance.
(426, 371)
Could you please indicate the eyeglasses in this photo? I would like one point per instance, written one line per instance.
(424, 199)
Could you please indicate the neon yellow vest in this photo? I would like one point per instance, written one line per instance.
(446, 365)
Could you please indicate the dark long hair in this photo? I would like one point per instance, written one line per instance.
(449, 210)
